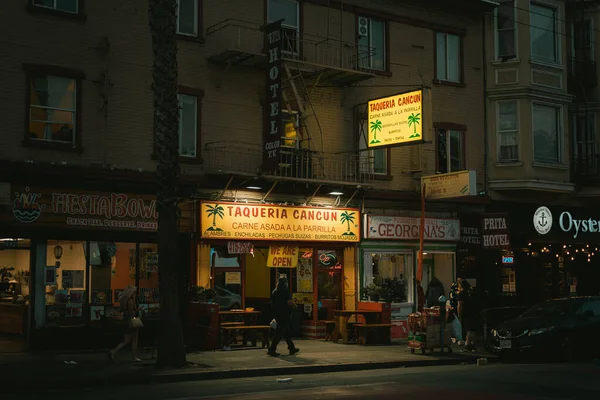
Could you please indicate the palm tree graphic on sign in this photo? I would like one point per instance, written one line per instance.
(414, 120)
(214, 212)
(374, 127)
(347, 218)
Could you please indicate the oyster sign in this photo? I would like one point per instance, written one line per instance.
(543, 222)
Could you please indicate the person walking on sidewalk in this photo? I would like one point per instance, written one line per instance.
(130, 334)
(282, 304)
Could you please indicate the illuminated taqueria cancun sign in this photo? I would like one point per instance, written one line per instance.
(273, 222)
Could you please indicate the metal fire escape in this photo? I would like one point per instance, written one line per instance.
(583, 81)
(308, 62)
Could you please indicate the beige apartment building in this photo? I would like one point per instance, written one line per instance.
(542, 94)
(77, 148)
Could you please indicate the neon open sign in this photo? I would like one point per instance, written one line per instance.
(508, 260)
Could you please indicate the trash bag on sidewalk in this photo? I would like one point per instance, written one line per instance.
(456, 329)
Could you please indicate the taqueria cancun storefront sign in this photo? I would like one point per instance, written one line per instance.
(272, 222)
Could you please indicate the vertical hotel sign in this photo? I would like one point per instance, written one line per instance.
(272, 130)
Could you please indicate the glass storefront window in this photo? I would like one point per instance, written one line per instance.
(14, 271)
(329, 281)
(438, 266)
(330, 293)
(65, 283)
(227, 279)
(15, 278)
(112, 269)
(148, 295)
(387, 276)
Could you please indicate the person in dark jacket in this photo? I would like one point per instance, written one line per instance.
(467, 313)
(435, 289)
(420, 297)
(282, 305)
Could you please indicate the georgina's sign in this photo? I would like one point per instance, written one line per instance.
(271, 222)
(407, 228)
(84, 209)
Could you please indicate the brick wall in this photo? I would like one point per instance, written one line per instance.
(232, 104)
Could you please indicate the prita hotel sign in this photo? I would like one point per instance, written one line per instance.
(544, 220)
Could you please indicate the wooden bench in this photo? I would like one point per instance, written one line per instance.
(263, 329)
(374, 334)
(238, 323)
(329, 328)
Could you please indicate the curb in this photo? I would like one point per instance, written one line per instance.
(151, 376)
(307, 369)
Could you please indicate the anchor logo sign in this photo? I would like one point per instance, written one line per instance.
(542, 220)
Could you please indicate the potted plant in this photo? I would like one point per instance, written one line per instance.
(195, 293)
(208, 294)
(373, 291)
(393, 290)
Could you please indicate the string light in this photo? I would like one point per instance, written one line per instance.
(572, 258)
(564, 246)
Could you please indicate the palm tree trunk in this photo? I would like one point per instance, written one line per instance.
(162, 13)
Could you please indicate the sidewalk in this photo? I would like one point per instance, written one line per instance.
(62, 371)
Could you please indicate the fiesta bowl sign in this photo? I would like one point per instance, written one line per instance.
(395, 120)
(80, 209)
(271, 222)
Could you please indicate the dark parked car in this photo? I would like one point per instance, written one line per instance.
(562, 327)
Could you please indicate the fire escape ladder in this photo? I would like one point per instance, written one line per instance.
(306, 111)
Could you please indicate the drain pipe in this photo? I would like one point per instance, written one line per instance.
(485, 107)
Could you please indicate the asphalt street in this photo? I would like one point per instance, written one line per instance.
(498, 381)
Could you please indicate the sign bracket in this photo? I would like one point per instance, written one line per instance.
(309, 199)
(269, 191)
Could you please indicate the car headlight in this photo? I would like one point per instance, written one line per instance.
(538, 331)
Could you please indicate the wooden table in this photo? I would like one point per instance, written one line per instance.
(342, 318)
(249, 318)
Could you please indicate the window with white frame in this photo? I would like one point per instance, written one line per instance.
(187, 17)
(71, 6)
(582, 43)
(374, 161)
(289, 12)
(52, 109)
(450, 150)
(448, 54)
(585, 146)
(505, 30)
(547, 130)
(188, 125)
(371, 43)
(387, 275)
(544, 33)
(508, 131)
